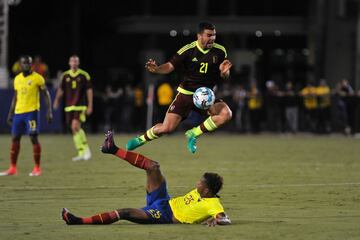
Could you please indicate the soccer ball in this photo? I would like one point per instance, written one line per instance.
(203, 98)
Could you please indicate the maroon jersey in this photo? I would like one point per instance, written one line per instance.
(200, 67)
(74, 85)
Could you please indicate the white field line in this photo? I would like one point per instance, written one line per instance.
(343, 184)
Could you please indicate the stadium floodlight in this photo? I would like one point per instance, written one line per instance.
(13, 2)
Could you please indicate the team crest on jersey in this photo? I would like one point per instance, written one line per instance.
(29, 82)
(215, 59)
(68, 79)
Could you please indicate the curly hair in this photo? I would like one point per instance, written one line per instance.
(214, 182)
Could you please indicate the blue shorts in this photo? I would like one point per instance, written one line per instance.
(157, 205)
(25, 123)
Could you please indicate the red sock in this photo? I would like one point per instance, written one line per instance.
(14, 153)
(134, 159)
(37, 154)
(102, 218)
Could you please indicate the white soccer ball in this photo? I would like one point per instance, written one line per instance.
(203, 98)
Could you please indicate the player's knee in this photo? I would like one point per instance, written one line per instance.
(154, 166)
(16, 138)
(34, 139)
(167, 129)
(124, 213)
(227, 114)
(75, 127)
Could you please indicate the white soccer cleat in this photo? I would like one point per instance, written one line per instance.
(78, 158)
(87, 154)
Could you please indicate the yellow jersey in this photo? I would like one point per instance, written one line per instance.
(310, 99)
(28, 92)
(323, 93)
(191, 208)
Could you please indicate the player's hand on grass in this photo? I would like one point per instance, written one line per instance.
(151, 65)
(211, 222)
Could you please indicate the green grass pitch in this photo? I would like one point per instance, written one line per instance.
(276, 187)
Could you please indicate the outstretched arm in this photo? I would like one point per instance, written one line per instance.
(165, 68)
(220, 219)
(225, 69)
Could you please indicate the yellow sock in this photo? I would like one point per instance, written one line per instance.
(149, 135)
(207, 126)
(78, 143)
(83, 138)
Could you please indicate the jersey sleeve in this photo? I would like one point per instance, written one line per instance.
(41, 82)
(215, 208)
(16, 84)
(177, 60)
(88, 84)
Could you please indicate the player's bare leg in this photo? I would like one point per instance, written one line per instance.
(170, 123)
(80, 141)
(36, 155)
(220, 114)
(14, 153)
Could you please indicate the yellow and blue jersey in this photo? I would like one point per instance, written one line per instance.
(191, 208)
(28, 92)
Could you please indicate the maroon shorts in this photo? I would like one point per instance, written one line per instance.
(78, 115)
(183, 104)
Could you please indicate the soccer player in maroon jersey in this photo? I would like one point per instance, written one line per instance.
(77, 88)
(205, 64)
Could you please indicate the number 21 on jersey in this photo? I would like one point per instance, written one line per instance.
(203, 67)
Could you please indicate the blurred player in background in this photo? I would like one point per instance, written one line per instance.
(199, 205)
(77, 88)
(24, 113)
(204, 63)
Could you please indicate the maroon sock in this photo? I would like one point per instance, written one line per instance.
(14, 152)
(134, 159)
(102, 218)
(37, 154)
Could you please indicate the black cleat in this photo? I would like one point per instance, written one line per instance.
(69, 218)
(109, 144)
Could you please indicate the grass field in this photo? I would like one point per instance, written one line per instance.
(276, 187)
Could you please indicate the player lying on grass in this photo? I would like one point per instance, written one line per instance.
(201, 205)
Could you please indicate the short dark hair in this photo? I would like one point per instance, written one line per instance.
(205, 25)
(214, 182)
(27, 57)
